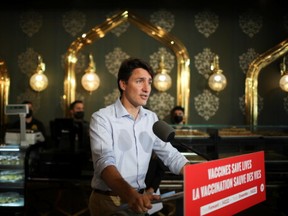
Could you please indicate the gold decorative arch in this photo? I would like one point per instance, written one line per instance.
(4, 95)
(98, 32)
(251, 83)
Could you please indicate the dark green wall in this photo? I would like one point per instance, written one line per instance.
(228, 41)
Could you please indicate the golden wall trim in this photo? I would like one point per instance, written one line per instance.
(98, 32)
(251, 83)
(4, 93)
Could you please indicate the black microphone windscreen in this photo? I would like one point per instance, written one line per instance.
(164, 131)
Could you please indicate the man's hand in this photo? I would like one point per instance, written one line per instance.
(142, 202)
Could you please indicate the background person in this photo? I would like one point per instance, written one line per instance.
(122, 141)
(76, 109)
(32, 123)
(177, 115)
(80, 126)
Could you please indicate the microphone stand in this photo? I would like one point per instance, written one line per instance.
(214, 135)
(206, 157)
(166, 133)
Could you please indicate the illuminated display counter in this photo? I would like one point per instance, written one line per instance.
(202, 143)
(12, 179)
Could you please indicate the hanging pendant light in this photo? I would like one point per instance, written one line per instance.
(39, 80)
(217, 81)
(283, 82)
(90, 80)
(162, 81)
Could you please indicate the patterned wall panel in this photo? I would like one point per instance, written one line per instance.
(237, 37)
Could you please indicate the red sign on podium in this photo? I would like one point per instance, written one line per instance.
(224, 186)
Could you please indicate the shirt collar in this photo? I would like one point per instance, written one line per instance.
(121, 111)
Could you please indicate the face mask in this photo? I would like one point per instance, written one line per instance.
(29, 114)
(79, 115)
(178, 119)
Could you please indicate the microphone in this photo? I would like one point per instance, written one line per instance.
(163, 131)
(167, 133)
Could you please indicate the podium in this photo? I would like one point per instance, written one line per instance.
(224, 186)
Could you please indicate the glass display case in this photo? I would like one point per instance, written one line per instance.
(201, 143)
(12, 179)
(227, 140)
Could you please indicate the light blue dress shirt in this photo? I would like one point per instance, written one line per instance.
(119, 140)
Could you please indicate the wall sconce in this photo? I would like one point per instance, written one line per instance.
(90, 80)
(162, 81)
(39, 81)
(283, 82)
(217, 81)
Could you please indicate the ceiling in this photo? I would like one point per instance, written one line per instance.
(93, 4)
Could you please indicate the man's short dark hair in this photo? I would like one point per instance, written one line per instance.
(128, 65)
(27, 102)
(72, 105)
(177, 108)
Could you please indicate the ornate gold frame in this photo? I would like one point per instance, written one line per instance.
(251, 83)
(4, 92)
(98, 32)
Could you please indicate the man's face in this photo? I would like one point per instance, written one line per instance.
(78, 111)
(30, 106)
(78, 107)
(178, 113)
(138, 88)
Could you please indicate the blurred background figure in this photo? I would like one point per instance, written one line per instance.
(80, 126)
(32, 124)
(77, 110)
(177, 115)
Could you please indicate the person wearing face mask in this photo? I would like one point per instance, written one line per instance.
(80, 126)
(32, 123)
(177, 115)
(77, 110)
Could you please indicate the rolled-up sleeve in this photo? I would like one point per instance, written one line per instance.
(101, 143)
